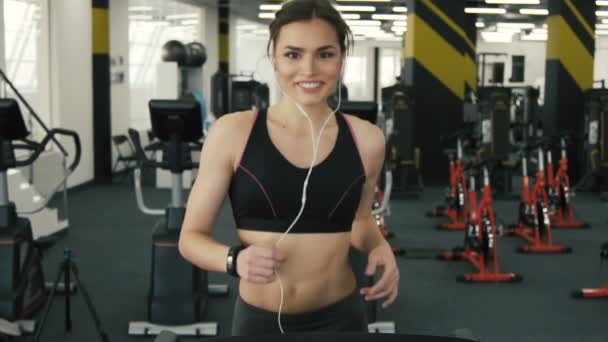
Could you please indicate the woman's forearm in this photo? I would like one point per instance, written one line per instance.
(203, 251)
(366, 236)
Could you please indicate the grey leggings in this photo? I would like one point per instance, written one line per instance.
(347, 315)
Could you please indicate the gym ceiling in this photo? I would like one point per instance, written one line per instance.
(512, 12)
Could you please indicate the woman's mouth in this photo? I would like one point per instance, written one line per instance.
(310, 86)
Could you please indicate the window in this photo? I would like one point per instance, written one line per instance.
(22, 29)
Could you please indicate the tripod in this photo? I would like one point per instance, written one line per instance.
(68, 268)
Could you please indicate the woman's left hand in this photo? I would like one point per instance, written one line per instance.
(388, 284)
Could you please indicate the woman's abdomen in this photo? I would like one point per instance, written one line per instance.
(315, 274)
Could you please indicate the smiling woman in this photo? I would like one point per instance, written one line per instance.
(296, 216)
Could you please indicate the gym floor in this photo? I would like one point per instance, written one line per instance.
(110, 239)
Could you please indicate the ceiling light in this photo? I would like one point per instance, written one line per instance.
(363, 23)
(266, 15)
(604, 21)
(270, 7)
(391, 39)
(601, 13)
(601, 32)
(141, 9)
(366, 29)
(356, 8)
(534, 11)
(389, 17)
(485, 10)
(400, 23)
(350, 16)
(516, 25)
(601, 3)
(246, 27)
(513, 2)
(400, 9)
(601, 26)
(181, 16)
(480, 24)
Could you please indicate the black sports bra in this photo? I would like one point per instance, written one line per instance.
(266, 189)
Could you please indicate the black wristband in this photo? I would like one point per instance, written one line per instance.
(233, 253)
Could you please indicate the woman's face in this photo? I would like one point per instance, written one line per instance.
(308, 60)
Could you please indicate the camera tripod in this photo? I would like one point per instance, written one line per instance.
(68, 268)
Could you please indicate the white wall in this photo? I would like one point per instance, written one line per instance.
(535, 60)
(359, 72)
(249, 56)
(71, 77)
(601, 58)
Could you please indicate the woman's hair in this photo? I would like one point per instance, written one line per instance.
(304, 10)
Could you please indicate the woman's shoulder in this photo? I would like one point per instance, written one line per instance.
(232, 126)
(369, 139)
(230, 133)
(235, 122)
(366, 134)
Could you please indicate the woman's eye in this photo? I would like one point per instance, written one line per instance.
(327, 54)
(291, 55)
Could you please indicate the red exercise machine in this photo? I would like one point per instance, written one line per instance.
(480, 245)
(534, 224)
(456, 195)
(560, 192)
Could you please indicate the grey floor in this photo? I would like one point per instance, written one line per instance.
(110, 240)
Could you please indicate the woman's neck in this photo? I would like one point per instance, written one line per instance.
(295, 118)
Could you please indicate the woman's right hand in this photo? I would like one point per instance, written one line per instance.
(257, 264)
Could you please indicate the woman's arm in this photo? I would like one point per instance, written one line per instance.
(206, 197)
(365, 234)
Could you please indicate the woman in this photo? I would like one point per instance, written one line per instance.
(300, 281)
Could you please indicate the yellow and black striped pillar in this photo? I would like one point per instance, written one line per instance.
(470, 63)
(569, 70)
(435, 44)
(224, 51)
(102, 117)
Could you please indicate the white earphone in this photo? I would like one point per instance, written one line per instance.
(315, 144)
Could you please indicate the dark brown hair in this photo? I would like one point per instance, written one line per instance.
(304, 10)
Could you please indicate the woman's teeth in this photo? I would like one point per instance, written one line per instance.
(310, 85)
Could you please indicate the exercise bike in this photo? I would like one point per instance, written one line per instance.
(560, 192)
(481, 237)
(178, 295)
(534, 223)
(22, 287)
(456, 209)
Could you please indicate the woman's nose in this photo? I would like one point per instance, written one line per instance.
(308, 65)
